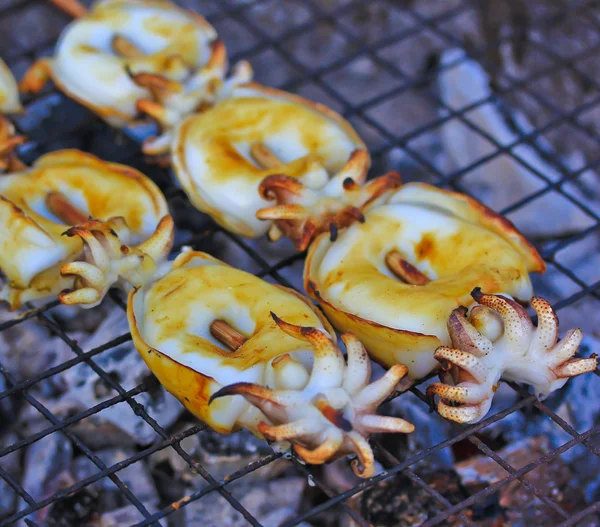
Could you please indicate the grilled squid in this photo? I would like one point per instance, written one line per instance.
(60, 190)
(237, 351)
(266, 160)
(124, 57)
(9, 103)
(394, 279)
(496, 339)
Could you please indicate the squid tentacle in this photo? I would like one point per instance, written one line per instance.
(520, 352)
(303, 210)
(324, 419)
(110, 263)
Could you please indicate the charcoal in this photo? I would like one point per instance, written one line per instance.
(432, 429)
(10, 463)
(400, 129)
(222, 455)
(136, 477)
(503, 180)
(74, 320)
(219, 454)
(9, 406)
(28, 349)
(384, 504)
(46, 471)
(79, 508)
(518, 504)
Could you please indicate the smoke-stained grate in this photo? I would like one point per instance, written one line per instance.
(386, 66)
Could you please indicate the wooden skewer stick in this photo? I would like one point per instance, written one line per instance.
(124, 47)
(263, 155)
(227, 335)
(71, 7)
(64, 210)
(404, 270)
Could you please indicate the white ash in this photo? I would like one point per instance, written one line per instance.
(221, 455)
(501, 181)
(271, 503)
(85, 388)
(28, 348)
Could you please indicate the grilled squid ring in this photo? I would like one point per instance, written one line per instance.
(495, 340)
(129, 56)
(210, 334)
(394, 279)
(9, 103)
(62, 189)
(263, 144)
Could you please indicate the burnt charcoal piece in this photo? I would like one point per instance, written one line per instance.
(402, 503)
(77, 509)
(519, 505)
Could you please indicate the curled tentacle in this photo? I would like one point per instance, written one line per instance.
(335, 412)
(108, 262)
(174, 101)
(329, 362)
(304, 211)
(520, 352)
(9, 91)
(516, 321)
(486, 321)
(358, 373)
(464, 336)
(9, 141)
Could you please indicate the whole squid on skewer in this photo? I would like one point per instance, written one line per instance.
(264, 160)
(237, 351)
(403, 282)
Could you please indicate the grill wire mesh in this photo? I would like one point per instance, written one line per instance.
(268, 47)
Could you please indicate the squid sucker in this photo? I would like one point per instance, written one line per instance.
(237, 351)
(496, 339)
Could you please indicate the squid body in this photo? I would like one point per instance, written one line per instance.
(238, 351)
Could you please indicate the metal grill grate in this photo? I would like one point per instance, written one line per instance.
(359, 36)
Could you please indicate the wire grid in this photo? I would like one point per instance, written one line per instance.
(330, 15)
